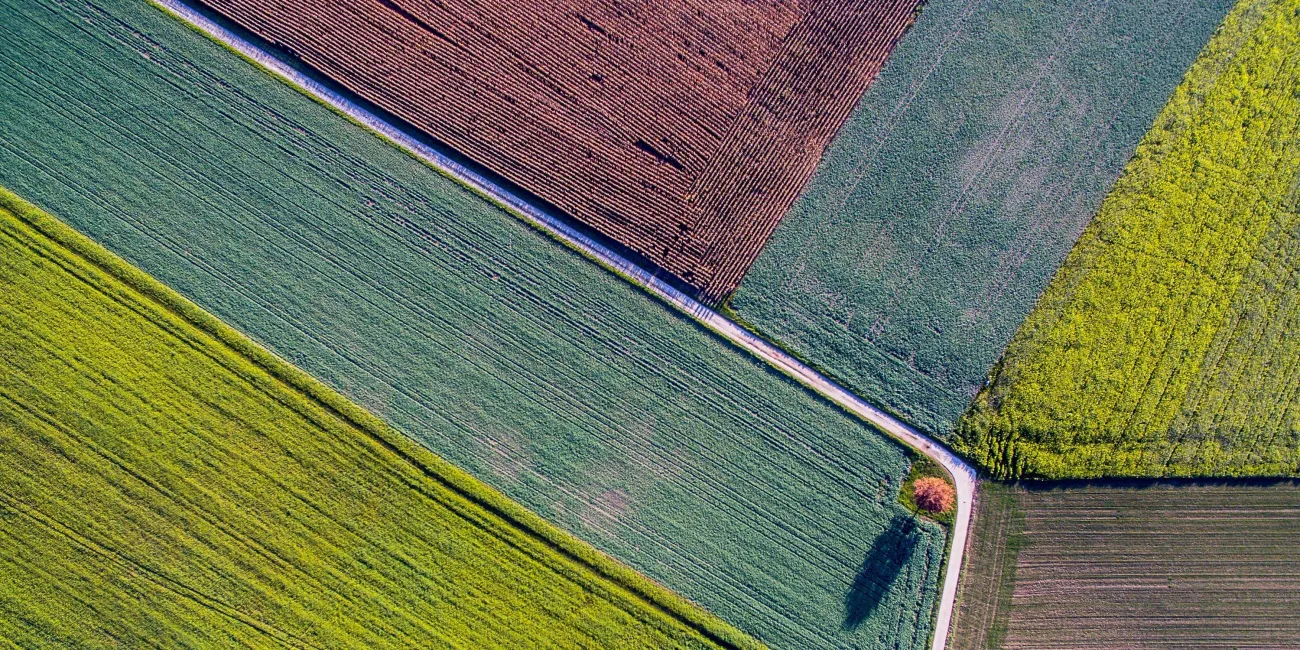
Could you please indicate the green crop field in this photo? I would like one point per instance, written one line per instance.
(1134, 564)
(168, 483)
(502, 351)
(1168, 343)
(944, 205)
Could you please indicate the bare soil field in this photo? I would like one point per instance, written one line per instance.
(1134, 564)
(682, 130)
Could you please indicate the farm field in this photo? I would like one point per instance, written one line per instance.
(1142, 563)
(169, 483)
(1167, 344)
(680, 129)
(948, 199)
(503, 352)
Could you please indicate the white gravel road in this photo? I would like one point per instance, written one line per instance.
(963, 475)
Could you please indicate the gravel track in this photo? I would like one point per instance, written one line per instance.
(963, 474)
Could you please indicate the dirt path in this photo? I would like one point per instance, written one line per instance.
(963, 475)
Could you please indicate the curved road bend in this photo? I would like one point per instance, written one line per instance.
(963, 475)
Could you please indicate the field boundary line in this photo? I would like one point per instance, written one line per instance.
(624, 586)
(963, 474)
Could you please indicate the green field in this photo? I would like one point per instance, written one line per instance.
(1134, 564)
(505, 353)
(948, 200)
(169, 484)
(1167, 344)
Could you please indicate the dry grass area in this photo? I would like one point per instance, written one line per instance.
(1138, 564)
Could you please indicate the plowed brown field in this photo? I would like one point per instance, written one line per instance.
(1132, 564)
(680, 129)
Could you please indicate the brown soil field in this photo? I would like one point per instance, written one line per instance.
(682, 130)
(1133, 564)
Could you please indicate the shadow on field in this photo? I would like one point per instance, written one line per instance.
(891, 551)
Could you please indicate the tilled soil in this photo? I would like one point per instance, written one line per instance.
(680, 129)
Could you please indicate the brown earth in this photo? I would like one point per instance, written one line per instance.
(1133, 564)
(680, 129)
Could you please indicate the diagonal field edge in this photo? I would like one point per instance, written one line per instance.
(634, 585)
(963, 475)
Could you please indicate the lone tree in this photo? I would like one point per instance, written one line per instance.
(933, 494)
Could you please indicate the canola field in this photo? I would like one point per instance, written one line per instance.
(168, 483)
(948, 200)
(502, 351)
(1167, 344)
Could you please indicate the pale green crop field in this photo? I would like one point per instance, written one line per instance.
(169, 484)
(1167, 343)
(505, 353)
(947, 201)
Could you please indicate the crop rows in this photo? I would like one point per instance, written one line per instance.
(499, 349)
(1166, 344)
(162, 487)
(952, 194)
(681, 130)
(1139, 564)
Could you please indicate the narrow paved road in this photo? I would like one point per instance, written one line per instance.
(962, 474)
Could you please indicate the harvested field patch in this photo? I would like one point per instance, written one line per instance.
(1167, 343)
(1140, 564)
(504, 352)
(681, 130)
(941, 210)
(168, 483)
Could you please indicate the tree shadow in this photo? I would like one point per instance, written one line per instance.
(891, 551)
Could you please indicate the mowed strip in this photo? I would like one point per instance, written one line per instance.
(162, 486)
(1167, 343)
(555, 381)
(1138, 564)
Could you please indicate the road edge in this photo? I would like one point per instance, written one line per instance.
(963, 475)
